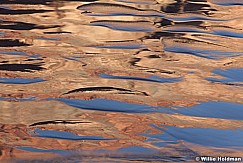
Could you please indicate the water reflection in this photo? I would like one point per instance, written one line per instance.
(110, 77)
(20, 80)
(21, 67)
(63, 135)
(231, 76)
(217, 138)
(12, 43)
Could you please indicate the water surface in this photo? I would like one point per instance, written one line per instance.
(120, 81)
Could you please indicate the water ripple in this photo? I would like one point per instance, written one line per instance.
(32, 149)
(150, 79)
(205, 136)
(20, 80)
(209, 54)
(231, 76)
(213, 109)
(64, 135)
(107, 105)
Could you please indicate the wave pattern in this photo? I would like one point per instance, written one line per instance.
(120, 80)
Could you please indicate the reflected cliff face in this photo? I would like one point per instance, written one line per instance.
(124, 80)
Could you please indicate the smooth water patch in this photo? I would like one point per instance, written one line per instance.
(221, 110)
(209, 54)
(231, 76)
(20, 80)
(227, 33)
(64, 135)
(205, 136)
(149, 79)
(107, 105)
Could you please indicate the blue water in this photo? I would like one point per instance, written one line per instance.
(17, 99)
(209, 54)
(20, 80)
(232, 75)
(64, 135)
(133, 131)
(107, 105)
(229, 2)
(149, 79)
(215, 32)
(19, 53)
(2, 33)
(13, 53)
(205, 136)
(212, 109)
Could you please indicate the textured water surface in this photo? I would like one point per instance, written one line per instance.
(120, 80)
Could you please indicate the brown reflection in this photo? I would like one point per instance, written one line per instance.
(67, 49)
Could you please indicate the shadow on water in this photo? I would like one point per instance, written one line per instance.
(22, 67)
(12, 25)
(107, 89)
(11, 43)
(182, 6)
(20, 12)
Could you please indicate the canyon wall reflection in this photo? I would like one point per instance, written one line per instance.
(120, 80)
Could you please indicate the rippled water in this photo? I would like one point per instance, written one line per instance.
(120, 80)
